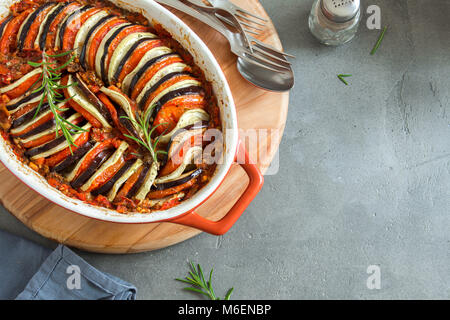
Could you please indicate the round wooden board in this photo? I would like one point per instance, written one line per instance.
(256, 108)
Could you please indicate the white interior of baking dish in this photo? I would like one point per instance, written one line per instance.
(206, 61)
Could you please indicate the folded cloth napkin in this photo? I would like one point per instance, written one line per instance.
(31, 272)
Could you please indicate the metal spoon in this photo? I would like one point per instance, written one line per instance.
(257, 74)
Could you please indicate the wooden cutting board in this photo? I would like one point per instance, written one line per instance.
(256, 108)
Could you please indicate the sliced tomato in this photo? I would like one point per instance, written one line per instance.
(60, 156)
(43, 120)
(73, 28)
(106, 175)
(23, 87)
(136, 56)
(164, 86)
(98, 37)
(116, 41)
(108, 104)
(89, 117)
(159, 194)
(168, 116)
(53, 29)
(129, 184)
(34, 29)
(9, 38)
(24, 110)
(148, 75)
(93, 153)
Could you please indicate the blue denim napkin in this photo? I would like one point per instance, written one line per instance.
(31, 272)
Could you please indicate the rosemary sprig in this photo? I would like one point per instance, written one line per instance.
(380, 38)
(200, 285)
(51, 88)
(146, 140)
(342, 76)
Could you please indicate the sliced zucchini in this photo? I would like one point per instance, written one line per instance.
(103, 48)
(52, 147)
(18, 103)
(127, 56)
(169, 72)
(88, 40)
(188, 118)
(190, 155)
(182, 179)
(115, 188)
(111, 161)
(122, 49)
(62, 27)
(45, 25)
(74, 157)
(94, 165)
(151, 54)
(29, 116)
(81, 36)
(32, 119)
(21, 80)
(148, 182)
(71, 175)
(81, 100)
(45, 129)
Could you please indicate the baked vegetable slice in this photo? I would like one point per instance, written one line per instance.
(21, 86)
(9, 37)
(31, 28)
(45, 25)
(72, 18)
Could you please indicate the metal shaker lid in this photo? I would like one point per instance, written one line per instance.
(340, 10)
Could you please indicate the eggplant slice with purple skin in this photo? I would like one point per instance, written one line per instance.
(137, 185)
(74, 157)
(4, 24)
(43, 32)
(29, 115)
(197, 117)
(22, 100)
(95, 164)
(103, 190)
(127, 56)
(93, 98)
(25, 27)
(91, 31)
(63, 26)
(184, 178)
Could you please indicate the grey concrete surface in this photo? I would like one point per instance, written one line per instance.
(364, 175)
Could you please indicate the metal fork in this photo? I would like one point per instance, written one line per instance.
(236, 39)
(246, 18)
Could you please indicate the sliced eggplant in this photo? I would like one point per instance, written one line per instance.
(45, 129)
(119, 182)
(22, 101)
(188, 118)
(180, 138)
(93, 98)
(45, 26)
(4, 24)
(118, 154)
(147, 66)
(184, 87)
(122, 49)
(148, 182)
(74, 157)
(127, 56)
(169, 72)
(52, 147)
(159, 202)
(104, 189)
(190, 155)
(102, 51)
(182, 179)
(25, 27)
(73, 173)
(21, 80)
(67, 20)
(78, 97)
(140, 181)
(123, 101)
(80, 38)
(96, 163)
(149, 55)
(88, 39)
(17, 123)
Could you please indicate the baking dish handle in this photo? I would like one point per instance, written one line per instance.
(256, 180)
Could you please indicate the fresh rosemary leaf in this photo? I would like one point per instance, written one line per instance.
(342, 76)
(380, 38)
(51, 87)
(200, 285)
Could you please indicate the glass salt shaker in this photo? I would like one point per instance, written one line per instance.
(334, 22)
